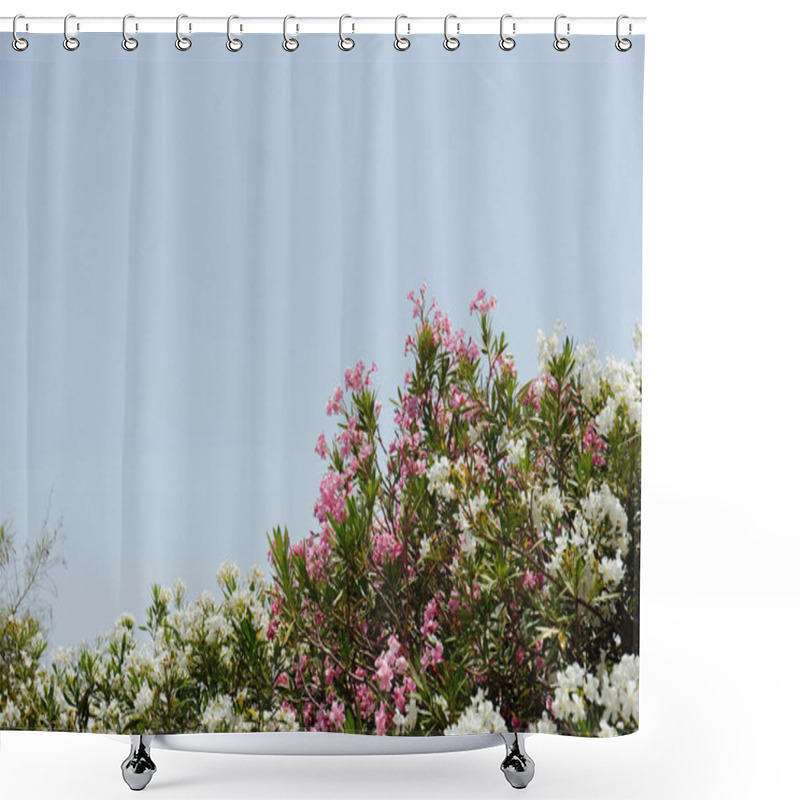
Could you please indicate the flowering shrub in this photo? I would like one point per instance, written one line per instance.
(476, 571)
(23, 577)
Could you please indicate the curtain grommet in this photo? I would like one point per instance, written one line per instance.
(561, 43)
(70, 43)
(233, 44)
(507, 43)
(289, 43)
(129, 43)
(183, 43)
(346, 43)
(451, 43)
(401, 43)
(17, 42)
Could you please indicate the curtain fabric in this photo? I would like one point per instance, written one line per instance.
(198, 248)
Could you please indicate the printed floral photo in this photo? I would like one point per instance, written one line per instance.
(474, 568)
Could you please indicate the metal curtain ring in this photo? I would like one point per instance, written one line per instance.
(181, 42)
(70, 42)
(233, 44)
(401, 42)
(345, 42)
(128, 42)
(289, 44)
(561, 43)
(623, 45)
(18, 43)
(506, 42)
(450, 42)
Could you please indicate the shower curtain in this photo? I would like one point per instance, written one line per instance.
(320, 385)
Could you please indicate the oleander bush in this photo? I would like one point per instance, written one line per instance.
(474, 568)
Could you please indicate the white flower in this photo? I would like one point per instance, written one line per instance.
(549, 345)
(516, 451)
(407, 722)
(541, 503)
(447, 490)
(606, 731)
(544, 725)
(165, 595)
(438, 474)
(611, 570)
(601, 506)
(227, 573)
(10, 715)
(218, 714)
(479, 717)
(478, 504)
(143, 701)
(604, 421)
(468, 544)
(424, 547)
(125, 621)
(590, 370)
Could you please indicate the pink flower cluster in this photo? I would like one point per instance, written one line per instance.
(482, 304)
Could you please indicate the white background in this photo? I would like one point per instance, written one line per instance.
(720, 597)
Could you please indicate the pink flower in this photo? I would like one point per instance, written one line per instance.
(430, 624)
(366, 700)
(332, 493)
(322, 447)
(336, 716)
(354, 377)
(432, 655)
(384, 545)
(401, 692)
(334, 405)
(529, 580)
(481, 304)
(282, 680)
(384, 676)
(595, 445)
(381, 720)
(331, 673)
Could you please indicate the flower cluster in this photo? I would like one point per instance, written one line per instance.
(473, 569)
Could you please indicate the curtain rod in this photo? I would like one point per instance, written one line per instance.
(412, 25)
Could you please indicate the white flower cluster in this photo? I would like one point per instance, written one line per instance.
(612, 570)
(606, 516)
(614, 697)
(543, 504)
(515, 451)
(549, 345)
(438, 475)
(407, 723)
(624, 380)
(479, 717)
(218, 715)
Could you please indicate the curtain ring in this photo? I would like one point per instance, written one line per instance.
(289, 44)
(345, 42)
(400, 42)
(233, 44)
(561, 43)
(128, 42)
(450, 42)
(181, 42)
(18, 43)
(70, 42)
(623, 45)
(506, 42)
